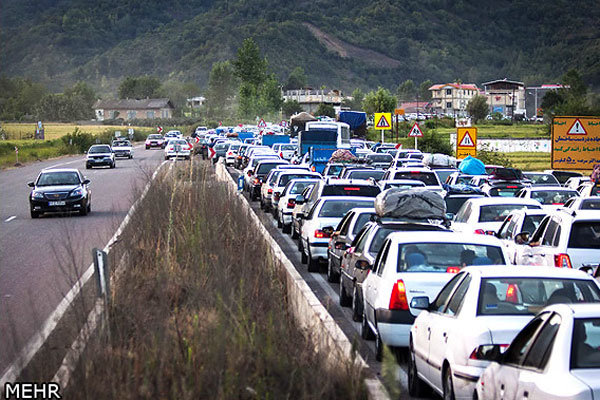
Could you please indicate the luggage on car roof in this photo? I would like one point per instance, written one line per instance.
(508, 174)
(410, 204)
(472, 166)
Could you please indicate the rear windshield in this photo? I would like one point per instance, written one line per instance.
(505, 191)
(438, 257)
(428, 178)
(265, 168)
(351, 190)
(453, 204)
(463, 179)
(221, 146)
(543, 179)
(286, 178)
(403, 186)
(443, 174)
(334, 170)
(380, 157)
(563, 176)
(361, 221)
(585, 235)
(585, 350)
(299, 187)
(288, 147)
(377, 175)
(527, 296)
(383, 232)
(590, 204)
(552, 196)
(339, 208)
(497, 212)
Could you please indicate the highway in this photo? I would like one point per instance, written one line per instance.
(40, 259)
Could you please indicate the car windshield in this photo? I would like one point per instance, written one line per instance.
(299, 187)
(181, 142)
(339, 208)
(557, 197)
(366, 174)
(428, 178)
(99, 149)
(542, 179)
(123, 143)
(351, 190)
(585, 235)
(438, 257)
(288, 147)
(585, 349)
(403, 186)
(58, 178)
(361, 221)
(497, 212)
(154, 137)
(286, 178)
(527, 296)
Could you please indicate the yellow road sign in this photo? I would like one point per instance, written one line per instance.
(399, 111)
(575, 142)
(466, 142)
(383, 121)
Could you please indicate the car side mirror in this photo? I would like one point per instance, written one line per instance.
(587, 269)
(300, 199)
(328, 230)
(31, 184)
(362, 265)
(86, 181)
(522, 238)
(420, 303)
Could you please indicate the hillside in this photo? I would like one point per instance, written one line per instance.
(339, 43)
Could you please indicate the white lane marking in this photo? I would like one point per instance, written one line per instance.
(10, 218)
(38, 339)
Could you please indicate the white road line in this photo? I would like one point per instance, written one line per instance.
(10, 218)
(39, 338)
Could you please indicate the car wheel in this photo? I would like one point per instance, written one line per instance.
(303, 256)
(279, 224)
(356, 306)
(286, 228)
(34, 214)
(345, 300)
(113, 165)
(313, 264)
(378, 347)
(448, 388)
(294, 233)
(331, 275)
(147, 147)
(88, 166)
(83, 211)
(89, 207)
(366, 332)
(416, 386)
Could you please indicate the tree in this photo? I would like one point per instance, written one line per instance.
(178, 92)
(406, 91)
(569, 100)
(291, 107)
(325, 109)
(379, 101)
(296, 79)
(424, 92)
(270, 98)
(249, 66)
(477, 108)
(139, 87)
(222, 85)
(355, 103)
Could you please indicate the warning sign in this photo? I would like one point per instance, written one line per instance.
(262, 123)
(415, 131)
(575, 143)
(383, 121)
(466, 142)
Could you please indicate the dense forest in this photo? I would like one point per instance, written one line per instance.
(375, 43)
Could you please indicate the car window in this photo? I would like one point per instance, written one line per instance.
(382, 257)
(530, 223)
(556, 197)
(585, 349)
(362, 219)
(283, 180)
(590, 204)
(58, 178)
(366, 174)
(440, 257)
(522, 342)
(312, 210)
(99, 149)
(360, 240)
(497, 212)
(344, 224)
(464, 213)
(300, 186)
(428, 178)
(542, 345)
(585, 235)
(548, 238)
(537, 236)
(456, 301)
(442, 298)
(504, 231)
(339, 208)
(351, 190)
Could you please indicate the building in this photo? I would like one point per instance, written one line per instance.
(196, 102)
(414, 107)
(534, 96)
(129, 109)
(451, 98)
(310, 99)
(505, 97)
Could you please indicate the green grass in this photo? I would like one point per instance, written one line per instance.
(30, 150)
(530, 161)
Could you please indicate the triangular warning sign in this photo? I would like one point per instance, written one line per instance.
(577, 129)
(467, 141)
(382, 123)
(415, 131)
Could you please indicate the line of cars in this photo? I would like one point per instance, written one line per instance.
(458, 289)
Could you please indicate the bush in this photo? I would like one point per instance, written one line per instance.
(490, 157)
(433, 142)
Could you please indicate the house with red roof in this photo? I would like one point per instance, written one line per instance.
(451, 98)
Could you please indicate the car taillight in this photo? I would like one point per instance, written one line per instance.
(270, 191)
(229, 153)
(512, 187)
(313, 169)
(281, 154)
(256, 181)
(291, 203)
(171, 148)
(319, 234)
(511, 294)
(453, 270)
(562, 261)
(398, 300)
(479, 231)
(487, 351)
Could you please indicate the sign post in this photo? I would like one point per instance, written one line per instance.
(383, 122)
(415, 132)
(575, 143)
(466, 142)
(17, 154)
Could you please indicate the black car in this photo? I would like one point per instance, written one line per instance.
(60, 190)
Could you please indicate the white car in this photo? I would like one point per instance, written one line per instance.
(178, 148)
(550, 198)
(565, 238)
(425, 175)
(231, 153)
(576, 181)
(555, 357)
(404, 184)
(484, 215)
(477, 315)
(591, 190)
(173, 135)
(326, 212)
(583, 203)
(100, 155)
(515, 223)
(285, 150)
(122, 148)
(281, 180)
(287, 201)
(416, 264)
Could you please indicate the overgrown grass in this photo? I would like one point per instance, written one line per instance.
(23, 131)
(200, 310)
(528, 161)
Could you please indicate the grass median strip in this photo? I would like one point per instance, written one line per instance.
(200, 310)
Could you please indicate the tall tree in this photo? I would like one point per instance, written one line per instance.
(406, 91)
(478, 108)
(249, 66)
(270, 98)
(355, 102)
(325, 109)
(424, 92)
(139, 87)
(379, 101)
(296, 79)
(222, 86)
(291, 107)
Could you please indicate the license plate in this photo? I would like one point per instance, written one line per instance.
(56, 203)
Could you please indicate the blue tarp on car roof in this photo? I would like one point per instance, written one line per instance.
(353, 118)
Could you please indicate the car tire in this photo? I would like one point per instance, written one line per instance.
(34, 214)
(83, 211)
(331, 276)
(345, 300)
(88, 166)
(166, 158)
(147, 147)
(416, 386)
(113, 165)
(303, 256)
(286, 228)
(356, 306)
(313, 264)
(279, 224)
(365, 331)
(89, 208)
(294, 233)
(447, 386)
(378, 348)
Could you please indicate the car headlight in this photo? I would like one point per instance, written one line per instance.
(76, 193)
(37, 195)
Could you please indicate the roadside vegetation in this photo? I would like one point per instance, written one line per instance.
(200, 309)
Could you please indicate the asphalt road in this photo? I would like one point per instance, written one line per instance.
(41, 259)
(327, 293)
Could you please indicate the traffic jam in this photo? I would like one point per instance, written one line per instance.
(487, 277)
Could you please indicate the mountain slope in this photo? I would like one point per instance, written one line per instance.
(339, 43)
